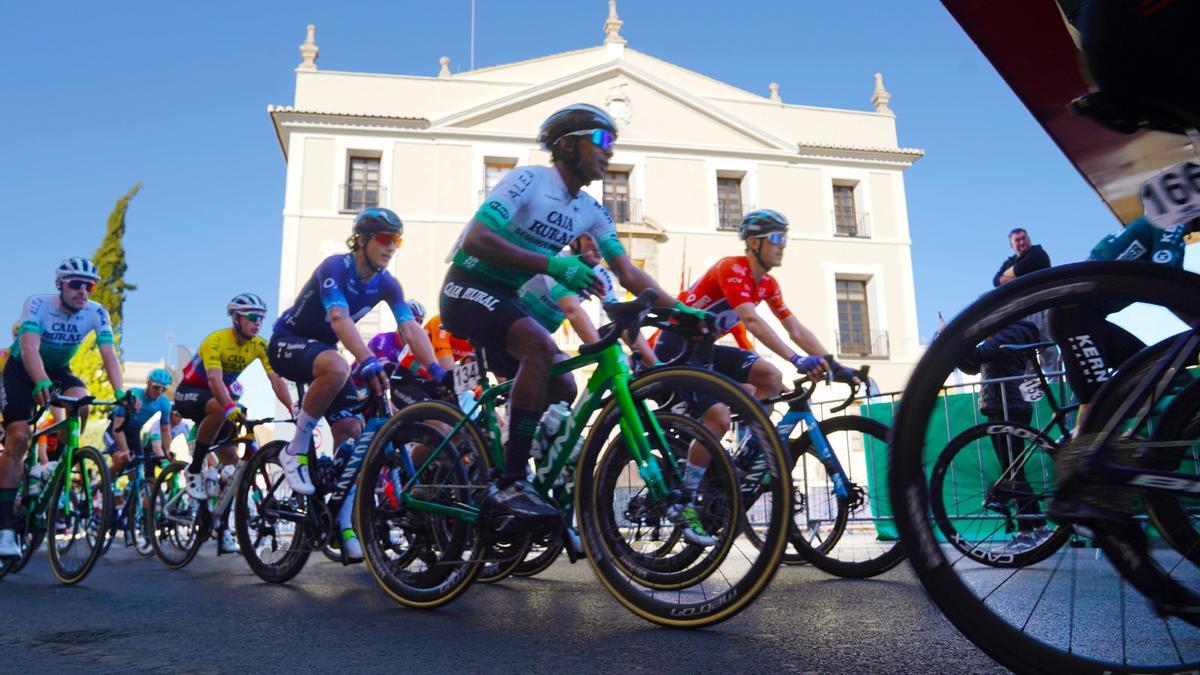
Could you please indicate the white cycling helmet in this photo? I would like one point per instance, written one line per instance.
(418, 310)
(246, 302)
(77, 268)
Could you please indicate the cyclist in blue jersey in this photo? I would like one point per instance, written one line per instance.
(525, 221)
(52, 328)
(303, 348)
(123, 438)
(1092, 345)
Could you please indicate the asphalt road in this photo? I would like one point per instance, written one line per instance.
(216, 616)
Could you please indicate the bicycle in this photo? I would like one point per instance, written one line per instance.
(834, 527)
(1136, 454)
(134, 516)
(978, 504)
(181, 523)
(424, 540)
(74, 508)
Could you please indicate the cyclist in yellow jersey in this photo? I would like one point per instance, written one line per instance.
(203, 395)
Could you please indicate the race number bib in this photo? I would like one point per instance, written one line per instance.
(466, 377)
(1173, 196)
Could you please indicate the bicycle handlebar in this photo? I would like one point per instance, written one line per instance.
(804, 388)
(640, 312)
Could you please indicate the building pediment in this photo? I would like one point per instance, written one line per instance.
(649, 111)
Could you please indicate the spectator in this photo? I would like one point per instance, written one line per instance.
(1026, 258)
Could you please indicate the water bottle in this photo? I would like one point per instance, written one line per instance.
(212, 482)
(548, 428)
(227, 472)
(38, 476)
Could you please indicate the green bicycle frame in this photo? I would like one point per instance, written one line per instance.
(612, 374)
(42, 503)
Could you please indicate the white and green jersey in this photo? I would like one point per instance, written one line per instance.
(61, 330)
(540, 295)
(531, 208)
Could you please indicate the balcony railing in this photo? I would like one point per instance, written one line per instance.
(624, 211)
(727, 219)
(862, 343)
(857, 225)
(359, 196)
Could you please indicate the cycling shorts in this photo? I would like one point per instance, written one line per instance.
(292, 357)
(481, 312)
(190, 401)
(18, 389)
(1091, 346)
(729, 361)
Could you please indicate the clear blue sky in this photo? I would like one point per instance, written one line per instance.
(98, 96)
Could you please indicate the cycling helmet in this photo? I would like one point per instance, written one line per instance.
(760, 222)
(246, 302)
(418, 310)
(376, 219)
(77, 268)
(161, 376)
(578, 117)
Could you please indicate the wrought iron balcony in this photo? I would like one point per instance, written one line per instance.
(850, 224)
(862, 343)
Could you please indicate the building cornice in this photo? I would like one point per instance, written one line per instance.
(287, 116)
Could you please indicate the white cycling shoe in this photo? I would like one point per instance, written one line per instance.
(295, 469)
(195, 485)
(229, 543)
(8, 544)
(351, 548)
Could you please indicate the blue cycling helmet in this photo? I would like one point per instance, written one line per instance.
(760, 222)
(375, 219)
(160, 376)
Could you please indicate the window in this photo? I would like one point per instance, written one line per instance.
(616, 195)
(493, 171)
(854, 324)
(845, 220)
(729, 203)
(362, 183)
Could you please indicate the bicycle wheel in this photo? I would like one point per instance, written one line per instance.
(141, 524)
(270, 518)
(81, 504)
(543, 551)
(844, 537)
(742, 571)
(421, 558)
(1073, 611)
(994, 516)
(29, 537)
(179, 523)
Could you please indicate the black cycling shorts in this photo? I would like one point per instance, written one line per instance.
(729, 361)
(18, 389)
(190, 401)
(1091, 346)
(481, 312)
(292, 358)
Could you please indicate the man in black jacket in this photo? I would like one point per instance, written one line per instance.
(1026, 258)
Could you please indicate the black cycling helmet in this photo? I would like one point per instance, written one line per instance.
(760, 222)
(577, 117)
(375, 219)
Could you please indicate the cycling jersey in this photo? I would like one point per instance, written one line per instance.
(728, 284)
(531, 208)
(387, 346)
(335, 283)
(540, 296)
(61, 330)
(149, 408)
(221, 350)
(1142, 241)
(446, 344)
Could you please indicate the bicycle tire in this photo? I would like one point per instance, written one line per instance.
(542, 554)
(973, 534)
(141, 525)
(445, 551)
(981, 613)
(179, 525)
(28, 538)
(261, 484)
(696, 606)
(88, 468)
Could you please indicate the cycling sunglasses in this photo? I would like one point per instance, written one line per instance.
(601, 138)
(386, 238)
(777, 238)
(76, 284)
(253, 317)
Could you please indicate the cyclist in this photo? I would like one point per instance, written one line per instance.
(124, 433)
(388, 345)
(732, 289)
(303, 349)
(153, 440)
(52, 328)
(526, 220)
(204, 395)
(449, 349)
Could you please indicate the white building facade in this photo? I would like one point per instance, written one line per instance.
(692, 156)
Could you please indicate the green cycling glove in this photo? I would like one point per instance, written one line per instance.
(42, 386)
(699, 314)
(570, 271)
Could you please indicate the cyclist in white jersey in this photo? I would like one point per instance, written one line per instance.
(51, 329)
(526, 220)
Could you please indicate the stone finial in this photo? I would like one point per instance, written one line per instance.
(308, 50)
(612, 26)
(774, 87)
(880, 97)
(445, 71)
